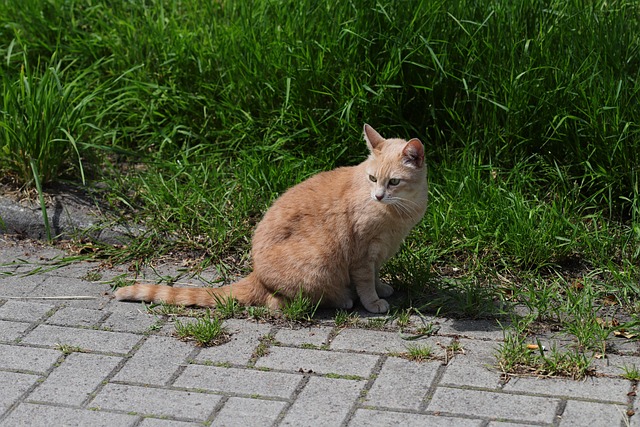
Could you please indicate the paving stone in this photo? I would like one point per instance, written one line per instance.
(478, 329)
(315, 336)
(475, 367)
(75, 379)
(475, 403)
(364, 340)
(318, 361)
(604, 389)
(17, 286)
(75, 316)
(130, 318)
(87, 339)
(242, 381)
(616, 365)
(30, 359)
(402, 383)
(14, 385)
(245, 337)
(241, 412)
(11, 331)
(157, 422)
(93, 294)
(29, 415)
(24, 311)
(323, 402)
(593, 414)
(375, 418)
(164, 354)
(155, 401)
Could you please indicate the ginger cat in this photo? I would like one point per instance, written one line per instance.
(327, 237)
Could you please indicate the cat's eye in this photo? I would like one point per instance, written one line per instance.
(394, 181)
(373, 178)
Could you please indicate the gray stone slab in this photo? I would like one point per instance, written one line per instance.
(164, 355)
(250, 382)
(29, 415)
(323, 402)
(158, 422)
(476, 329)
(376, 418)
(241, 412)
(11, 331)
(29, 359)
(75, 316)
(402, 384)
(475, 367)
(370, 341)
(312, 336)
(92, 294)
(25, 311)
(18, 286)
(87, 339)
(475, 403)
(245, 337)
(596, 388)
(12, 386)
(155, 401)
(130, 318)
(593, 414)
(318, 361)
(75, 379)
(616, 365)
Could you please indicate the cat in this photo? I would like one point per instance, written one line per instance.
(326, 237)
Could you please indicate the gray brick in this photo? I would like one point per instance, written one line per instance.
(157, 422)
(164, 354)
(11, 331)
(593, 414)
(245, 337)
(242, 381)
(317, 336)
(241, 412)
(492, 405)
(74, 316)
(478, 329)
(615, 364)
(88, 339)
(155, 401)
(362, 340)
(32, 415)
(318, 361)
(464, 372)
(75, 379)
(12, 386)
(24, 311)
(37, 360)
(19, 286)
(323, 401)
(605, 389)
(128, 317)
(374, 418)
(69, 287)
(402, 383)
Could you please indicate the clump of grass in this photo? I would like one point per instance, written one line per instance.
(343, 318)
(299, 309)
(205, 331)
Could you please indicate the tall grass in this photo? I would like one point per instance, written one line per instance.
(529, 111)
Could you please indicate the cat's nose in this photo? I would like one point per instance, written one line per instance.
(379, 196)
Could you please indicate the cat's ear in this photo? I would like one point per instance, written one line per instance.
(413, 153)
(373, 138)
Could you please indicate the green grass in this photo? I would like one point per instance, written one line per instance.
(198, 114)
(205, 330)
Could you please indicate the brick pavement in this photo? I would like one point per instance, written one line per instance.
(94, 361)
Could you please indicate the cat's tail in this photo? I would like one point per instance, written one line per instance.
(247, 291)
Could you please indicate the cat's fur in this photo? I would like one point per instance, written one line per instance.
(327, 237)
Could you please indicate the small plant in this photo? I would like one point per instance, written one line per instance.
(299, 309)
(258, 313)
(93, 276)
(206, 331)
(419, 353)
(263, 348)
(67, 349)
(630, 373)
(402, 317)
(345, 318)
(227, 307)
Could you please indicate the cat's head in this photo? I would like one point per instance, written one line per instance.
(395, 169)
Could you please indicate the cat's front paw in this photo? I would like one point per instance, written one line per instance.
(384, 290)
(377, 306)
